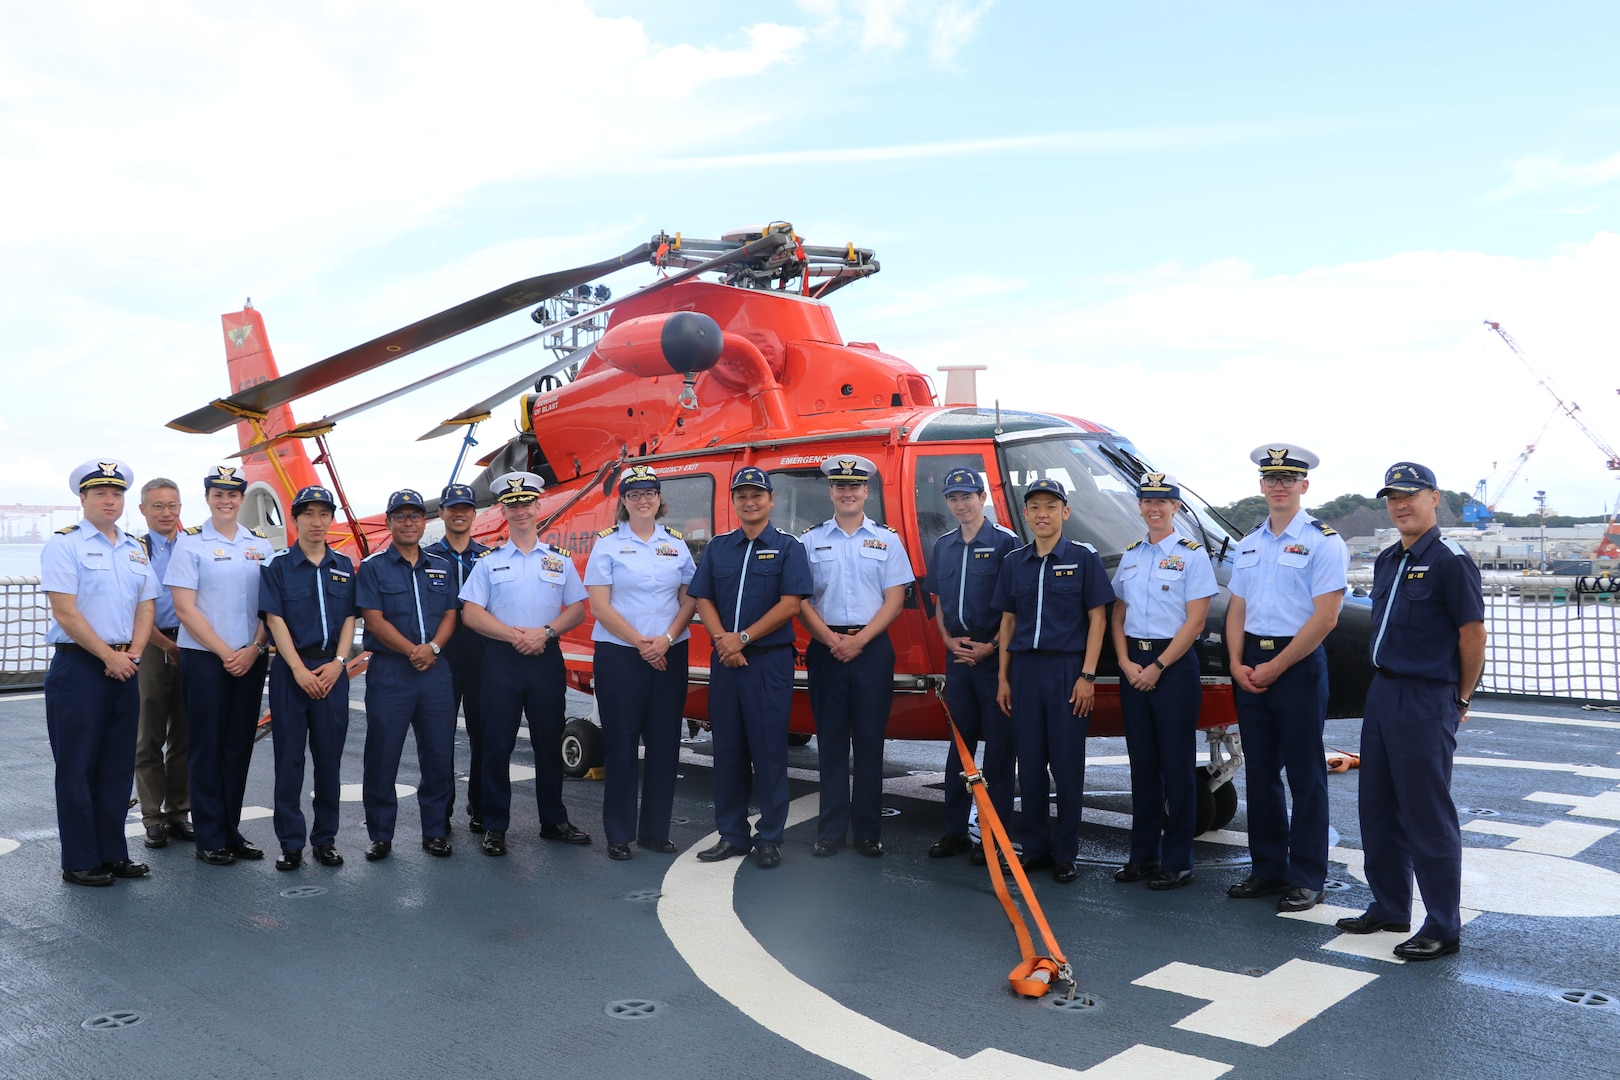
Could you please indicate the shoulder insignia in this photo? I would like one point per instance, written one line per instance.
(604, 533)
(1323, 529)
(891, 528)
(1082, 543)
(435, 555)
(146, 544)
(802, 531)
(1190, 545)
(374, 554)
(1452, 546)
(481, 554)
(1133, 545)
(676, 533)
(193, 531)
(564, 552)
(1004, 529)
(260, 533)
(69, 529)
(281, 551)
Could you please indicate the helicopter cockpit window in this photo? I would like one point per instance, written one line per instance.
(1102, 499)
(934, 517)
(802, 500)
(691, 509)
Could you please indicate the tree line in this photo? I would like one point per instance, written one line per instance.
(1245, 512)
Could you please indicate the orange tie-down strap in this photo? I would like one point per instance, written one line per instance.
(1342, 760)
(1033, 975)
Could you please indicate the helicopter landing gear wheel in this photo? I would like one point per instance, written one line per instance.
(581, 748)
(1226, 800)
(798, 738)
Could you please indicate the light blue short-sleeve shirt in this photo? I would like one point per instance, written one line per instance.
(107, 580)
(851, 570)
(225, 575)
(646, 577)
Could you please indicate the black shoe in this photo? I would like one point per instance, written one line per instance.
(182, 830)
(1132, 872)
(661, 847)
(218, 857)
(1250, 887)
(952, 843)
(1065, 872)
(327, 855)
(976, 856)
(437, 846)
(1035, 862)
(1165, 880)
(565, 833)
(619, 852)
(157, 836)
(824, 848)
(1426, 948)
(244, 850)
(494, 843)
(92, 878)
(290, 860)
(379, 849)
(1299, 899)
(870, 848)
(125, 869)
(767, 856)
(475, 825)
(1366, 924)
(725, 849)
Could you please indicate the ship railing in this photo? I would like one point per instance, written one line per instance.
(1547, 636)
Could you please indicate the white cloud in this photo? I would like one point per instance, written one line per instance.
(889, 25)
(1535, 174)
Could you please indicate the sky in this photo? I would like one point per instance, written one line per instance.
(1207, 226)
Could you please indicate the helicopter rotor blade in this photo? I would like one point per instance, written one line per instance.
(257, 400)
(482, 409)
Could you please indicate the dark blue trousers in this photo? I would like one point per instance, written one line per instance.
(850, 703)
(1160, 727)
(1047, 733)
(518, 686)
(970, 694)
(400, 698)
(297, 721)
(1282, 729)
(639, 706)
(223, 711)
(1408, 821)
(749, 709)
(91, 720)
(466, 655)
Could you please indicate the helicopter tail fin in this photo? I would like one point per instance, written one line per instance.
(275, 475)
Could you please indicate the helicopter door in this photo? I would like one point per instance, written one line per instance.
(932, 514)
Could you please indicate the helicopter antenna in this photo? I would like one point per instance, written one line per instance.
(998, 416)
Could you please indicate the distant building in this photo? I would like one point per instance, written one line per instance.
(1510, 548)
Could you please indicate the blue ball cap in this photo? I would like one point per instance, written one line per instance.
(958, 481)
(1157, 485)
(225, 478)
(1407, 477)
(458, 495)
(404, 497)
(639, 478)
(1048, 486)
(311, 495)
(751, 476)
(99, 472)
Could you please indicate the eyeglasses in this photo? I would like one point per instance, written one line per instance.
(1280, 481)
(640, 495)
(408, 517)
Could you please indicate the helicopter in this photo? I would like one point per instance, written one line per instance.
(700, 375)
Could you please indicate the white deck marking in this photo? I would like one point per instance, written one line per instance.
(1570, 721)
(1257, 1011)
(1566, 839)
(698, 914)
(7, 846)
(1605, 805)
(1597, 772)
(353, 792)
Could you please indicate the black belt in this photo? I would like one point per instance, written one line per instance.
(847, 629)
(70, 646)
(1269, 644)
(170, 632)
(760, 650)
(319, 657)
(1149, 644)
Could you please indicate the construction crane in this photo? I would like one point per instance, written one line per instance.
(1609, 546)
(1480, 510)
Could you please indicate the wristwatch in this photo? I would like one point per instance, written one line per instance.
(551, 635)
(262, 647)
(434, 645)
(340, 658)
(1462, 703)
(1089, 676)
(1157, 664)
(744, 638)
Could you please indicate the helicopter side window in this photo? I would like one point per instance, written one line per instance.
(691, 509)
(934, 517)
(1102, 501)
(802, 499)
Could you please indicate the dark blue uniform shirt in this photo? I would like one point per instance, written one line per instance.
(1052, 596)
(313, 600)
(1421, 596)
(745, 578)
(461, 565)
(412, 598)
(963, 575)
